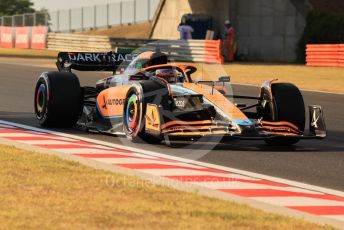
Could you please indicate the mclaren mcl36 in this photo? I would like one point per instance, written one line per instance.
(154, 100)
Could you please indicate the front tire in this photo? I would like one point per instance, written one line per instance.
(58, 99)
(287, 105)
(138, 96)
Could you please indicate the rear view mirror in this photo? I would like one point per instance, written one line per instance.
(138, 77)
(225, 79)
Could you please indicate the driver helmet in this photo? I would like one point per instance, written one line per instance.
(169, 75)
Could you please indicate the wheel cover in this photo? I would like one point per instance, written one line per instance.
(131, 113)
(41, 100)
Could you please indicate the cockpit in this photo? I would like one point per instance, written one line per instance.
(168, 75)
(145, 60)
(149, 66)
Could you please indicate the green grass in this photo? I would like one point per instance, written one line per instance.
(44, 192)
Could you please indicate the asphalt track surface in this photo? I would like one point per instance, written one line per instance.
(313, 162)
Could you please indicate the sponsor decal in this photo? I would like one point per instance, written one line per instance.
(101, 58)
(38, 38)
(112, 102)
(315, 119)
(180, 103)
(22, 38)
(6, 37)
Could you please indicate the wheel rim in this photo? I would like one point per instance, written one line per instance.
(131, 113)
(41, 99)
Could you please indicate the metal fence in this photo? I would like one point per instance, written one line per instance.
(177, 50)
(36, 19)
(85, 18)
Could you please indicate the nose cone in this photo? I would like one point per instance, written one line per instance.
(248, 131)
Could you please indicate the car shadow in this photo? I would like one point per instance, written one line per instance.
(333, 143)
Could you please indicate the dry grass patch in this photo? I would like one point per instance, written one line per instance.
(28, 53)
(44, 192)
(139, 30)
(329, 79)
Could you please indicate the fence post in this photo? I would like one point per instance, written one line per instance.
(23, 20)
(46, 19)
(108, 15)
(2, 21)
(121, 13)
(148, 9)
(34, 19)
(13, 21)
(58, 20)
(95, 17)
(82, 18)
(70, 20)
(134, 11)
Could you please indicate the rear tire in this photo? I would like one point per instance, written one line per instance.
(288, 105)
(58, 99)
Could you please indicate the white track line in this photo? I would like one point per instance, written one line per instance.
(298, 201)
(140, 161)
(45, 142)
(128, 155)
(180, 172)
(236, 185)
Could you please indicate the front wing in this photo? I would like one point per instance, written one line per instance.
(260, 129)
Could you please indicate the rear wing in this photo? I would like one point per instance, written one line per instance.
(88, 61)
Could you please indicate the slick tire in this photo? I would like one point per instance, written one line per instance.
(138, 96)
(288, 105)
(58, 99)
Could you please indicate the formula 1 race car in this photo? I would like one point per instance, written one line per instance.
(154, 100)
